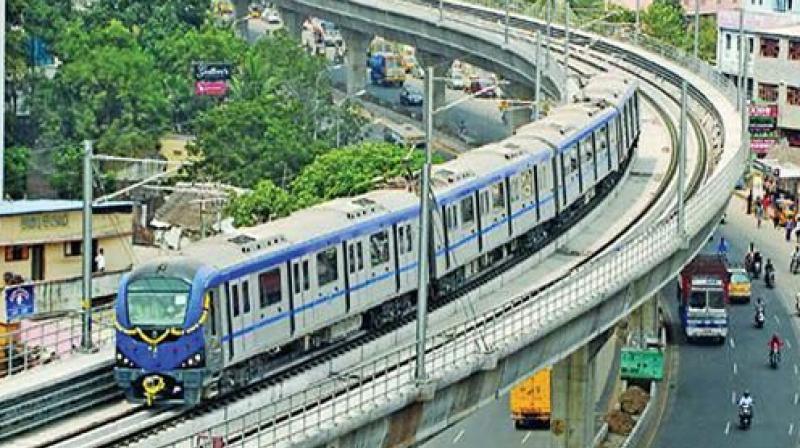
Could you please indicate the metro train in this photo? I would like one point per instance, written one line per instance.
(231, 308)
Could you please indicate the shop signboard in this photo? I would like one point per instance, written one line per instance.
(211, 78)
(19, 302)
(763, 126)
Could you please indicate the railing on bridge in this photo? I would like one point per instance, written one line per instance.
(48, 340)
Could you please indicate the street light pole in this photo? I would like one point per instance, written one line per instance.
(508, 19)
(638, 22)
(441, 10)
(566, 49)
(2, 115)
(682, 161)
(424, 229)
(696, 27)
(549, 15)
(538, 92)
(742, 69)
(86, 303)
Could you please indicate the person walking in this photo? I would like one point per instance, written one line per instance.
(750, 201)
(760, 214)
(790, 223)
(100, 261)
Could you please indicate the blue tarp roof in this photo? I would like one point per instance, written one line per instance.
(27, 206)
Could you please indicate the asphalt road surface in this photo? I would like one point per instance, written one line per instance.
(489, 427)
(701, 410)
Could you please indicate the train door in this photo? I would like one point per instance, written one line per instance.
(356, 272)
(330, 295)
(407, 253)
(271, 304)
(379, 266)
(301, 286)
(237, 317)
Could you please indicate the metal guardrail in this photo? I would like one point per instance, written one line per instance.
(466, 347)
(51, 340)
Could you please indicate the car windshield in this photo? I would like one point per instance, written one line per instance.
(412, 92)
(740, 278)
(392, 63)
(157, 302)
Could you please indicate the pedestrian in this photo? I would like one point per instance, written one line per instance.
(760, 214)
(797, 231)
(100, 261)
(776, 217)
(722, 247)
(790, 223)
(750, 201)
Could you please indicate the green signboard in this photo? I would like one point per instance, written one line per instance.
(647, 364)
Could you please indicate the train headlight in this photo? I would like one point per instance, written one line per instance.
(195, 360)
(124, 362)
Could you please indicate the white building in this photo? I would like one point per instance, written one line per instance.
(772, 36)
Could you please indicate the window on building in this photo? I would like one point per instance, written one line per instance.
(16, 253)
(793, 95)
(728, 41)
(73, 248)
(379, 248)
(269, 288)
(769, 47)
(751, 44)
(327, 267)
(768, 92)
(794, 50)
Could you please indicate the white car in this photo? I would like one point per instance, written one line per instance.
(455, 81)
(272, 17)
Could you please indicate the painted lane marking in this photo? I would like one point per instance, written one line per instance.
(735, 369)
(458, 437)
(777, 319)
(795, 369)
(788, 344)
(732, 343)
(791, 428)
(525, 439)
(796, 398)
(727, 428)
(733, 396)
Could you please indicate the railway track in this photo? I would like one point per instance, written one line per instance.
(173, 416)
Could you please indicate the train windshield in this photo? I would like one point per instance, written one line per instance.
(157, 302)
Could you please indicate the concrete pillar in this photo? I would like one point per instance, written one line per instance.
(440, 66)
(355, 59)
(292, 22)
(241, 13)
(572, 396)
(517, 115)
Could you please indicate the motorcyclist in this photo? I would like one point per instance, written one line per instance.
(760, 305)
(775, 345)
(746, 400)
(769, 269)
(795, 258)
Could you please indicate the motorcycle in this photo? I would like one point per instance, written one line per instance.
(760, 318)
(774, 358)
(794, 266)
(745, 416)
(769, 278)
(757, 269)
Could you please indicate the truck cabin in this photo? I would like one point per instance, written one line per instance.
(706, 293)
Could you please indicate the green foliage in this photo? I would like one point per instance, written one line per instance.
(342, 172)
(352, 170)
(17, 161)
(708, 39)
(266, 201)
(66, 177)
(663, 19)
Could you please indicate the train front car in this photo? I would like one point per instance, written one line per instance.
(162, 315)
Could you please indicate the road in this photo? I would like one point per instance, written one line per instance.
(701, 410)
(481, 116)
(489, 426)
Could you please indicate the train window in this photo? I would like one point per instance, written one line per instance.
(360, 254)
(351, 258)
(526, 183)
(212, 319)
(600, 138)
(514, 181)
(451, 217)
(296, 272)
(269, 288)
(235, 300)
(588, 149)
(408, 238)
(498, 196)
(246, 297)
(484, 197)
(379, 248)
(306, 277)
(612, 135)
(327, 268)
(467, 210)
(401, 239)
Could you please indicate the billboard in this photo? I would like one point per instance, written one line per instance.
(211, 78)
(763, 127)
(19, 301)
